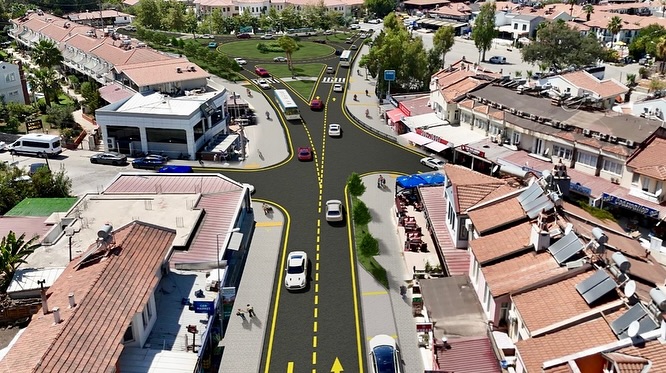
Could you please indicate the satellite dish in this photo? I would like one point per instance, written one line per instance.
(630, 289)
(633, 329)
(496, 168)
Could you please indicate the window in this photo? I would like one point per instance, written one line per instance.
(463, 234)
(144, 318)
(475, 271)
(612, 167)
(11, 77)
(645, 183)
(494, 129)
(515, 26)
(524, 27)
(481, 123)
(129, 334)
(538, 146)
(515, 138)
(587, 159)
(149, 310)
(487, 298)
(504, 312)
(562, 152)
(456, 115)
(635, 178)
(466, 118)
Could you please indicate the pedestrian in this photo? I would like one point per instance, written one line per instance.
(241, 314)
(201, 162)
(250, 311)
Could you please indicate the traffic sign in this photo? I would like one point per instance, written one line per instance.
(389, 75)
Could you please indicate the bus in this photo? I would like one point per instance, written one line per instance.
(287, 105)
(345, 58)
(305, 31)
(38, 144)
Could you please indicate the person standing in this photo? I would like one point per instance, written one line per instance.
(241, 314)
(250, 311)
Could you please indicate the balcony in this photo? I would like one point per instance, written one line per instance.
(656, 197)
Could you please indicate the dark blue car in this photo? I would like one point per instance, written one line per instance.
(150, 162)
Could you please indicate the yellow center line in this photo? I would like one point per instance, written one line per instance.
(314, 341)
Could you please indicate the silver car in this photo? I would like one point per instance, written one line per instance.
(111, 158)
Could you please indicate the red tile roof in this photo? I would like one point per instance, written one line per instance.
(30, 225)
(108, 294)
(603, 88)
(468, 355)
(627, 363)
(650, 160)
(654, 351)
(562, 368)
(502, 243)
(456, 261)
(496, 215)
(172, 184)
(525, 270)
(535, 351)
(469, 187)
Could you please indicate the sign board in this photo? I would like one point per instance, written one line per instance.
(473, 151)
(423, 327)
(204, 306)
(228, 299)
(579, 188)
(629, 205)
(389, 75)
(404, 109)
(34, 124)
(430, 136)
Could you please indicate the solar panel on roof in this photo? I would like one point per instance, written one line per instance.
(535, 202)
(568, 251)
(545, 205)
(647, 324)
(592, 281)
(635, 313)
(562, 242)
(599, 291)
(531, 193)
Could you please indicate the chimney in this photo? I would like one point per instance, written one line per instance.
(539, 236)
(72, 302)
(56, 315)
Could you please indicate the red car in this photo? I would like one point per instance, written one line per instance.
(262, 72)
(243, 36)
(317, 104)
(304, 153)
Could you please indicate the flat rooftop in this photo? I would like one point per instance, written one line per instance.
(157, 103)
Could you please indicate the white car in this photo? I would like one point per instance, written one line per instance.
(240, 61)
(433, 163)
(280, 59)
(334, 130)
(3, 146)
(363, 35)
(334, 210)
(384, 354)
(267, 36)
(355, 26)
(374, 21)
(263, 84)
(328, 32)
(338, 88)
(296, 277)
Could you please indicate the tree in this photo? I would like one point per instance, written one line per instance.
(289, 46)
(588, 9)
(13, 252)
(146, 14)
(174, 15)
(91, 97)
(369, 246)
(660, 53)
(49, 184)
(380, 8)
(60, 116)
(614, 27)
(46, 81)
(361, 213)
(559, 46)
(46, 54)
(572, 3)
(484, 30)
(646, 40)
(355, 185)
(443, 41)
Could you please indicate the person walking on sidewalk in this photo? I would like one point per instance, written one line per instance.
(250, 311)
(241, 314)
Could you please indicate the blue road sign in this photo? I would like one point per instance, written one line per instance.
(389, 75)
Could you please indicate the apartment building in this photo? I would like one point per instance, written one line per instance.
(256, 8)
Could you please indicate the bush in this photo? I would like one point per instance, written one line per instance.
(369, 246)
(598, 213)
(355, 185)
(269, 47)
(361, 213)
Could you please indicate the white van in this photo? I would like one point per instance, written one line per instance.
(36, 144)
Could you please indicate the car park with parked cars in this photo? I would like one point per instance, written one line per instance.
(112, 158)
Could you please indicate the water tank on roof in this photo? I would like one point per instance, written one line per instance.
(104, 232)
(659, 298)
(621, 261)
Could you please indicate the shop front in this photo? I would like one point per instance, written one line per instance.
(638, 218)
(472, 158)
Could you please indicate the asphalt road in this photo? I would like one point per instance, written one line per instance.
(315, 327)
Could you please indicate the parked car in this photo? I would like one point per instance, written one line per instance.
(150, 162)
(328, 32)
(244, 36)
(212, 44)
(262, 72)
(267, 36)
(317, 104)
(500, 60)
(338, 87)
(338, 52)
(111, 158)
(304, 153)
(263, 84)
(319, 41)
(296, 277)
(384, 354)
(375, 21)
(36, 166)
(354, 26)
(207, 36)
(334, 130)
(433, 163)
(280, 59)
(240, 61)
(334, 210)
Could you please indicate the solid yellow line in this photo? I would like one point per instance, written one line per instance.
(290, 367)
(268, 224)
(314, 341)
(352, 264)
(277, 295)
(382, 292)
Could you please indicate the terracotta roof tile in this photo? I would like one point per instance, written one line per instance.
(496, 215)
(108, 292)
(650, 160)
(163, 72)
(502, 243)
(535, 351)
(459, 175)
(562, 368)
(627, 363)
(525, 269)
(603, 88)
(467, 103)
(469, 187)
(472, 354)
(561, 299)
(654, 351)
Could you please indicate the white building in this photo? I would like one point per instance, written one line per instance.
(11, 89)
(258, 7)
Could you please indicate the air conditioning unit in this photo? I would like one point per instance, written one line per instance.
(513, 111)
(179, 70)
(533, 117)
(520, 113)
(587, 132)
(603, 136)
(630, 143)
(110, 143)
(500, 106)
(541, 120)
(613, 139)
(615, 180)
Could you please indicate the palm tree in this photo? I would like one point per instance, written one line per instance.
(614, 27)
(588, 9)
(572, 3)
(660, 52)
(13, 252)
(46, 81)
(46, 54)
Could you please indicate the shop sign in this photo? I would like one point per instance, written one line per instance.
(632, 206)
(473, 151)
(431, 136)
(404, 109)
(34, 124)
(228, 299)
(578, 188)
(205, 306)
(423, 327)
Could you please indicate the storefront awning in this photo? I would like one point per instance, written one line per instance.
(437, 146)
(225, 144)
(416, 138)
(395, 115)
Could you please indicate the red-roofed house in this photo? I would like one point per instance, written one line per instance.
(649, 171)
(580, 83)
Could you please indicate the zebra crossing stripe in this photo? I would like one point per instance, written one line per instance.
(333, 80)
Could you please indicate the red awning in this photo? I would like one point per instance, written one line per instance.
(395, 115)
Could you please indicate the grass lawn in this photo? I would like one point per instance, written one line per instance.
(303, 87)
(368, 262)
(305, 69)
(338, 37)
(248, 49)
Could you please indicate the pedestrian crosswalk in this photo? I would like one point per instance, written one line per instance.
(329, 79)
(268, 80)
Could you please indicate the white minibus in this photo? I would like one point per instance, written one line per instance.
(37, 144)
